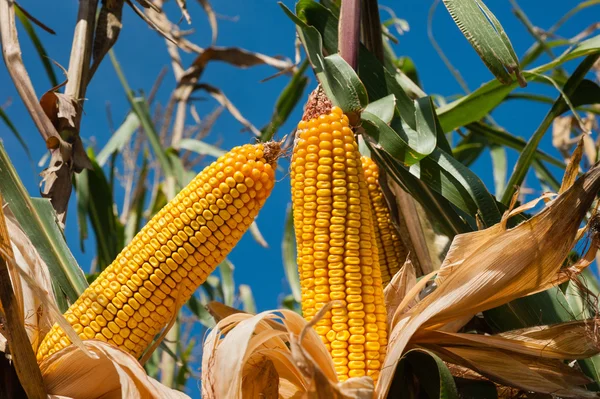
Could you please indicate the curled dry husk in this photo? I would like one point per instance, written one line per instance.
(281, 348)
(114, 374)
(89, 369)
(482, 270)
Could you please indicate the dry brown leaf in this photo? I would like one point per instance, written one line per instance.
(56, 182)
(183, 7)
(561, 134)
(212, 19)
(108, 27)
(566, 341)
(61, 109)
(402, 282)
(218, 95)
(170, 31)
(572, 168)
(240, 58)
(298, 355)
(497, 266)
(114, 374)
(527, 373)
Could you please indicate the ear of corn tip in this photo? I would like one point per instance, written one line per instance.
(392, 252)
(337, 253)
(135, 297)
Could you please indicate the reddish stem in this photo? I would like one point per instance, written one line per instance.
(349, 31)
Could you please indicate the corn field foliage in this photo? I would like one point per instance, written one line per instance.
(484, 292)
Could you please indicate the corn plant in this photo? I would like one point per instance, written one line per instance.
(407, 276)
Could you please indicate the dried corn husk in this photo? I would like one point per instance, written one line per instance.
(496, 265)
(115, 374)
(300, 362)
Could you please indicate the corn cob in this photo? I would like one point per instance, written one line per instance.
(136, 296)
(337, 253)
(392, 252)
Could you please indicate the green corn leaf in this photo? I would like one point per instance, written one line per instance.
(449, 219)
(560, 105)
(485, 33)
(288, 249)
(338, 79)
(38, 220)
(118, 140)
(383, 108)
(286, 102)
(480, 102)
(133, 224)
(227, 283)
(142, 110)
(394, 141)
(95, 199)
(422, 371)
(247, 298)
(196, 306)
(200, 147)
(469, 148)
(499, 168)
(501, 137)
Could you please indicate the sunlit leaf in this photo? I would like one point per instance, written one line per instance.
(38, 220)
(483, 30)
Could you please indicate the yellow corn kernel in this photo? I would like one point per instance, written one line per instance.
(159, 254)
(337, 252)
(392, 252)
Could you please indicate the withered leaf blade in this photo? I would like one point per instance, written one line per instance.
(572, 168)
(212, 19)
(218, 95)
(108, 27)
(239, 57)
(521, 371)
(115, 374)
(565, 341)
(183, 7)
(56, 184)
(61, 109)
(398, 288)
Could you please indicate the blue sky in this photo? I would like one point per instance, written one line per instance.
(260, 26)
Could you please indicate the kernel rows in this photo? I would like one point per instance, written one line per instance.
(392, 252)
(337, 253)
